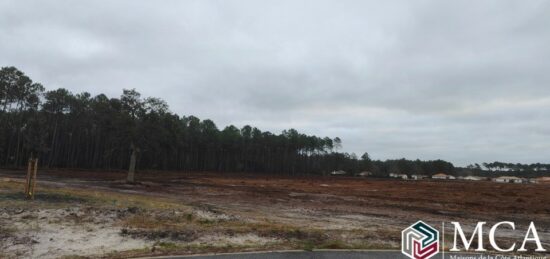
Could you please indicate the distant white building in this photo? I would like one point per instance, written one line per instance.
(418, 176)
(474, 178)
(338, 172)
(402, 176)
(365, 173)
(544, 179)
(509, 179)
(442, 176)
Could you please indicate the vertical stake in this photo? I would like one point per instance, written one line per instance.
(31, 178)
(28, 179)
(35, 167)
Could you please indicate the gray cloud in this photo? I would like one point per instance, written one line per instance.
(462, 81)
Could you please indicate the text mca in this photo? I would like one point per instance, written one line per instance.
(531, 236)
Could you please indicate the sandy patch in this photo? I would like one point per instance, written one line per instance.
(53, 233)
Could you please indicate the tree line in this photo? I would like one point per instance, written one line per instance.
(511, 167)
(66, 130)
(496, 168)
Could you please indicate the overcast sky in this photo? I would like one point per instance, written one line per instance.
(464, 81)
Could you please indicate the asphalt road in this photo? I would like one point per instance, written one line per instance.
(317, 255)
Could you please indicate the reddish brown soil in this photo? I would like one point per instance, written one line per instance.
(330, 202)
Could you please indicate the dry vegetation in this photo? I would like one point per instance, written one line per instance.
(94, 214)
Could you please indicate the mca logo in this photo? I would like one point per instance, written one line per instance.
(420, 241)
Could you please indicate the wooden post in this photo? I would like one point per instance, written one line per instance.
(31, 178)
(34, 177)
(28, 179)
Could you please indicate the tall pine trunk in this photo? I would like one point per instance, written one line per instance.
(132, 169)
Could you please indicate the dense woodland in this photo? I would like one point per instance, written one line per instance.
(66, 130)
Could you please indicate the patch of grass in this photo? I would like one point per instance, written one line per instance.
(291, 233)
(11, 185)
(12, 194)
(206, 221)
(176, 249)
(334, 244)
(308, 246)
(46, 197)
(74, 257)
(167, 245)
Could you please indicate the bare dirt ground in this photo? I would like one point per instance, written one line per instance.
(96, 214)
